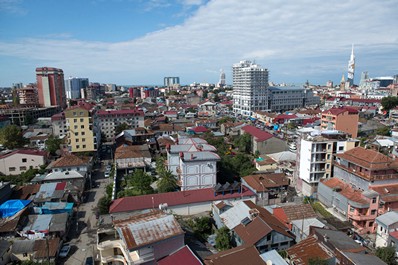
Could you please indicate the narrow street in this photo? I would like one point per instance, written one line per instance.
(83, 232)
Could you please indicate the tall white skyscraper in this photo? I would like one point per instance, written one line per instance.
(250, 83)
(221, 82)
(73, 86)
(351, 68)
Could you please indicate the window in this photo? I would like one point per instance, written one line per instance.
(81, 113)
(83, 139)
(328, 157)
(83, 133)
(77, 146)
(24, 160)
(84, 146)
(11, 169)
(81, 119)
(370, 224)
(77, 140)
(75, 126)
(74, 120)
(82, 126)
(373, 212)
(374, 200)
(341, 148)
(76, 133)
(23, 168)
(74, 113)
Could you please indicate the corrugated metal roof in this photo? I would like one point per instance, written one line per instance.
(147, 228)
(388, 218)
(232, 217)
(273, 256)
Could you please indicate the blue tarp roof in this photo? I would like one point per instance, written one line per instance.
(11, 207)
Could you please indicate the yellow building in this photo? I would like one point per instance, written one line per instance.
(83, 132)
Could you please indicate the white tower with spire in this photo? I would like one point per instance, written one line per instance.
(351, 69)
(221, 82)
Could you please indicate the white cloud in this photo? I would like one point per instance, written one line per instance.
(12, 6)
(298, 38)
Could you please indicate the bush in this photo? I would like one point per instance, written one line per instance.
(319, 208)
(103, 205)
(223, 239)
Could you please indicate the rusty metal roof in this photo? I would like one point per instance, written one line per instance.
(147, 228)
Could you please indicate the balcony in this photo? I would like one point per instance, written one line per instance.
(108, 259)
(366, 176)
(110, 244)
(360, 217)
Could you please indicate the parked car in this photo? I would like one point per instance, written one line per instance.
(108, 168)
(63, 253)
(89, 261)
(107, 174)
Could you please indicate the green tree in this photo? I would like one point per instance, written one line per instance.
(389, 103)
(385, 131)
(103, 205)
(121, 127)
(53, 144)
(244, 142)
(160, 165)
(167, 182)
(225, 119)
(223, 239)
(11, 137)
(202, 227)
(317, 261)
(140, 182)
(387, 254)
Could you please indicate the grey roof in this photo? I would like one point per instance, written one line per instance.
(200, 156)
(283, 156)
(339, 239)
(190, 148)
(388, 219)
(4, 245)
(364, 259)
(234, 216)
(274, 257)
(58, 222)
(38, 222)
(307, 223)
(23, 246)
(282, 88)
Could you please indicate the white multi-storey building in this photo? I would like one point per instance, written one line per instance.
(110, 119)
(194, 162)
(315, 150)
(250, 83)
(289, 98)
(73, 86)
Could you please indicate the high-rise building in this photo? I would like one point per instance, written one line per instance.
(73, 86)
(171, 81)
(221, 82)
(50, 87)
(351, 69)
(250, 83)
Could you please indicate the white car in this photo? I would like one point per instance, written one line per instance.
(108, 168)
(107, 174)
(63, 253)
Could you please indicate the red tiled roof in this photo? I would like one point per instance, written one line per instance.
(199, 129)
(346, 190)
(261, 182)
(247, 255)
(135, 203)
(70, 160)
(260, 135)
(285, 117)
(183, 256)
(338, 111)
(170, 112)
(25, 152)
(388, 192)
(307, 249)
(394, 234)
(369, 159)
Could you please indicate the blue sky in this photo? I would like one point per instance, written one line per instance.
(141, 41)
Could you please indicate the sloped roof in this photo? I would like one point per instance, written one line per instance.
(262, 182)
(368, 158)
(148, 228)
(307, 249)
(32, 152)
(346, 190)
(70, 160)
(132, 151)
(259, 135)
(236, 256)
(338, 111)
(183, 256)
(298, 212)
(135, 203)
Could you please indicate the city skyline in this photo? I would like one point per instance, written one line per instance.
(141, 42)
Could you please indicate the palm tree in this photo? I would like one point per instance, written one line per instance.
(167, 181)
